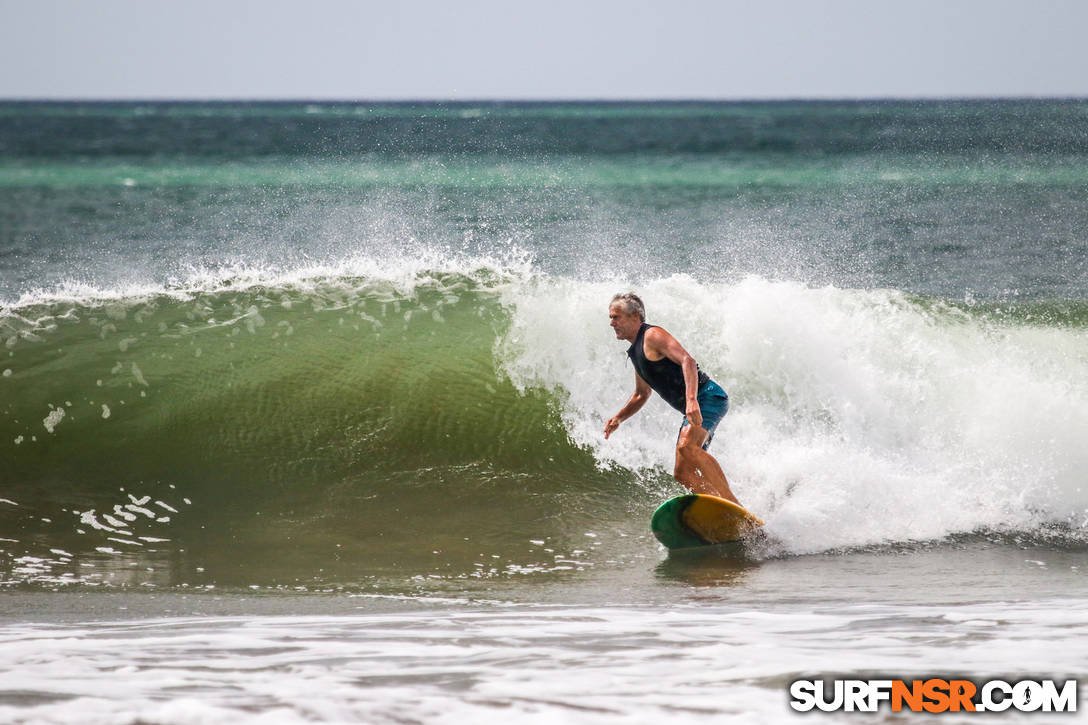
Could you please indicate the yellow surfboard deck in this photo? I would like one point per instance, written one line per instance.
(698, 519)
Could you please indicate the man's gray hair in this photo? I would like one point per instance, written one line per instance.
(632, 304)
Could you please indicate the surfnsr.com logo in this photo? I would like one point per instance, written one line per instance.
(934, 695)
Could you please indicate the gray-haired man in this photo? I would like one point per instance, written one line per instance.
(664, 366)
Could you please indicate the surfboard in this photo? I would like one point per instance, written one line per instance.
(698, 519)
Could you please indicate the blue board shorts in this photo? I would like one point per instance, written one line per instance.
(713, 404)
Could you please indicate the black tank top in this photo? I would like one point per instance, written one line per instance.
(664, 376)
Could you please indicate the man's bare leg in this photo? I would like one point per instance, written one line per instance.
(697, 469)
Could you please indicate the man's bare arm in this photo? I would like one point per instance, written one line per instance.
(637, 400)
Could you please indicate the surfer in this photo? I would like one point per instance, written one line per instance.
(663, 365)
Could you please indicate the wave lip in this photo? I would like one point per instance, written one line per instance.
(414, 266)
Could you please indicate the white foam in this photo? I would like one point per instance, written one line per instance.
(53, 419)
(856, 417)
(693, 662)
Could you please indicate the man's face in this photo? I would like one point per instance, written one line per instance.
(625, 324)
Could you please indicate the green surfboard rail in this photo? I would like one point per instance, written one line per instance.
(668, 526)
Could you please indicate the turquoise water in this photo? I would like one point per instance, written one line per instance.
(293, 389)
(947, 199)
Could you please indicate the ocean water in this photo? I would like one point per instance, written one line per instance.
(301, 406)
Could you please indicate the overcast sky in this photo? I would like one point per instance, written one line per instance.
(548, 49)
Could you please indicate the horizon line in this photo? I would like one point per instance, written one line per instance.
(533, 100)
